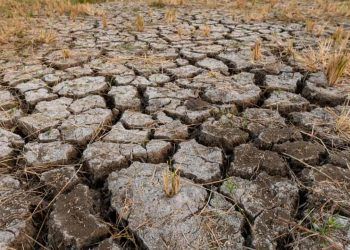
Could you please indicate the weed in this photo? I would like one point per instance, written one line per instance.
(326, 227)
(245, 122)
(171, 183)
(213, 74)
(230, 185)
(140, 23)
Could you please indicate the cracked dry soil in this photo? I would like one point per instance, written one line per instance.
(84, 140)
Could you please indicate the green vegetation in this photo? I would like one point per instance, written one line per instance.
(230, 185)
(328, 226)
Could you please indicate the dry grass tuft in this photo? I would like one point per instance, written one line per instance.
(170, 16)
(157, 4)
(140, 23)
(164, 3)
(206, 30)
(45, 37)
(256, 51)
(180, 31)
(314, 59)
(339, 35)
(104, 21)
(342, 124)
(213, 74)
(177, 2)
(336, 68)
(66, 53)
(171, 183)
(310, 25)
(329, 57)
(241, 4)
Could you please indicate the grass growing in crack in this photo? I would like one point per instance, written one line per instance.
(66, 53)
(329, 57)
(140, 23)
(206, 30)
(256, 51)
(104, 21)
(171, 183)
(336, 68)
(230, 185)
(180, 31)
(342, 124)
(328, 226)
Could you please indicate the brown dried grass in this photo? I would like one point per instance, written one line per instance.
(171, 183)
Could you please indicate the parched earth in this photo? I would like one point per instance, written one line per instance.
(87, 133)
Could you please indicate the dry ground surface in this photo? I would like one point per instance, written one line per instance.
(174, 125)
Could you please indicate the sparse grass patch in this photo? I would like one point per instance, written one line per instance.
(19, 19)
(17, 30)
